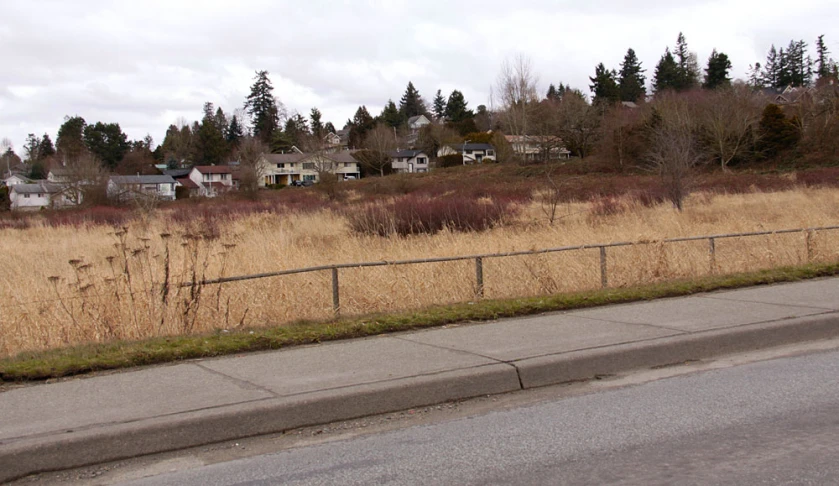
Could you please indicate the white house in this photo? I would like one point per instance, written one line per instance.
(126, 188)
(16, 179)
(473, 153)
(285, 169)
(417, 122)
(212, 180)
(36, 196)
(538, 147)
(409, 161)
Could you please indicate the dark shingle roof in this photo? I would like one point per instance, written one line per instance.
(406, 153)
(41, 187)
(213, 169)
(471, 146)
(143, 179)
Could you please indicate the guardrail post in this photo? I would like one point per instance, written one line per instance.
(712, 253)
(604, 279)
(479, 277)
(336, 298)
(809, 241)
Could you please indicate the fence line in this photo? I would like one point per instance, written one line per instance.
(479, 259)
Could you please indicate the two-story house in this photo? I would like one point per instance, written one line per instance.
(472, 153)
(127, 188)
(285, 169)
(212, 180)
(538, 147)
(409, 161)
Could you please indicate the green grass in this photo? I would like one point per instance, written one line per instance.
(97, 357)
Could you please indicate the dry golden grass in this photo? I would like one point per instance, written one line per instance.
(67, 286)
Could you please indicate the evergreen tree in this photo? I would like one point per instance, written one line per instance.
(456, 110)
(777, 133)
(107, 142)
(32, 147)
(234, 132)
(361, 123)
(391, 116)
(261, 106)
(297, 129)
(755, 76)
(411, 103)
(771, 70)
(632, 79)
(823, 58)
(221, 122)
(329, 128)
(716, 74)
(784, 71)
(604, 85)
(211, 146)
(317, 124)
(439, 105)
(688, 65)
(552, 94)
(70, 141)
(46, 146)
(667, 75)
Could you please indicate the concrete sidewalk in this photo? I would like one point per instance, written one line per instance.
(109, 417)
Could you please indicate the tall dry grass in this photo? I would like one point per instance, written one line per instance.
(70, 285)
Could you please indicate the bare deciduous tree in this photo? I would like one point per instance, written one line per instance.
(84, 181)
(251, 165)
(729, 119)
(516, 94)
(673, 151)
(379, 142)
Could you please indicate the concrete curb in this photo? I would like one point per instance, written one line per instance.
(117, 441)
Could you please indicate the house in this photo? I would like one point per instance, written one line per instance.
(126, 188)
(284, 169)
(417, 122)
(16, 179)
(36, 196)
(787, 96)
(212, 180)
(473, 153)
(409, 161)
(538, 147)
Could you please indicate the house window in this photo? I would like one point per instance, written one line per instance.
(347, 164)
(206, 177)
(309, 177)
(281, 166)
(490, 152)
(26, 196)
(422, 160)
(468, 152)
(308, 166)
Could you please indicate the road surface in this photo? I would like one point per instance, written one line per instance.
(770, 422)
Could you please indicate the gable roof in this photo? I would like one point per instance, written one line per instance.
(406, 153)
(284, 158)
(213, 169)
(460, 147)
(39, 188)
(177, 173)
(414, 119)
(142, 179)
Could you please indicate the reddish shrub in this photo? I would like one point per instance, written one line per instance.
(418, 214)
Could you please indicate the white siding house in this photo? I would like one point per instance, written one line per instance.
(417, 122)
(212, 180)
(409, 161)
(126, 188)
(472, 153)
(36, 196)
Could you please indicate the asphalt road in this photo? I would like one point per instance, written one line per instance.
(771, 422)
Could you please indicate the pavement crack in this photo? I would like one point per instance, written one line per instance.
(243, 384)
(746, 301)
(643, 324)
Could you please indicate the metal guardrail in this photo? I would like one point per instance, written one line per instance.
(479, 259)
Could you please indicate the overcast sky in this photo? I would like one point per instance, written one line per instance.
(146, 63)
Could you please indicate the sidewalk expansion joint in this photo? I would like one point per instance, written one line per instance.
(642, 324)
(744, 301)
(243, 384)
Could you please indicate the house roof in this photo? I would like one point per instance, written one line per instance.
(285, 158)
(177, 173)
(213, 169)
(460, 147)
(38, 188)
(186, 182)
(142, 179)
(343, 157)
(414, 119)
(406, 153)
(18, 177)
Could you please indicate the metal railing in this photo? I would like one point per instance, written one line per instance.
(479, 259)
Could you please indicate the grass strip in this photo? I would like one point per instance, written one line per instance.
(34, 366)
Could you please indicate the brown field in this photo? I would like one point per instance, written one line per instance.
(79, 284)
